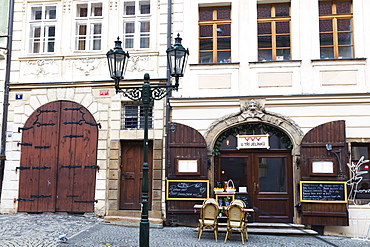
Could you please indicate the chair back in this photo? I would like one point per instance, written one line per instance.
(210, 211)
(238, 202)
(235, 214)
(210, 200)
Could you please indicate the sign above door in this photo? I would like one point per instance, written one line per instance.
(253, 141)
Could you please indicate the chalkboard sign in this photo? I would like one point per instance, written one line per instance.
(247, 200)
(323, 191)
(187, 189)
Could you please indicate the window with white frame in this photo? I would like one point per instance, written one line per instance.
(133, 116)
(136, 24)
(89, 16)
(42, 28)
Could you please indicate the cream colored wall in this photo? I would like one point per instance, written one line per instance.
(79, 76)
(307, 74)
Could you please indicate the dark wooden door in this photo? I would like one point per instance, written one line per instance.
(58, 159)
(132, 158)
(314, 148)
(186, 143)
(268, 178)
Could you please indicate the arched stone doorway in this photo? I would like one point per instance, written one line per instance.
(268, 174)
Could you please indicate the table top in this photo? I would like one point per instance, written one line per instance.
(199, 206)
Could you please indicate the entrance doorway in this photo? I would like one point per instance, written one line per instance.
(131, 174)
(267, 174)
(267, 177)
(58, 160)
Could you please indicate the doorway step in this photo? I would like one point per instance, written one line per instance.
(273, 229)
(131, 218)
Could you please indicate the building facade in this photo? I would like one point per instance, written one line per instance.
(292, 73)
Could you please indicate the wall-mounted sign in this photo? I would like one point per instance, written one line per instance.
(187, 166)
(323, 191)
(18, 96)
(322, 166)
(187, 189)
(253, 141)
(103, 92)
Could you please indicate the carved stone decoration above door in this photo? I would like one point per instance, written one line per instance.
(254, 112)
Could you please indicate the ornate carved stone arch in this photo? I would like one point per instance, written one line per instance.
(254, 112)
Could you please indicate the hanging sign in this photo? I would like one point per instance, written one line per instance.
(253, 141)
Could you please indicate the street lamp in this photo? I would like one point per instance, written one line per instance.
(117, 61)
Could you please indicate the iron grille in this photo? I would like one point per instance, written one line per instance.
(133, 116)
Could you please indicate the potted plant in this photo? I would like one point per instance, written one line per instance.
(227, 200)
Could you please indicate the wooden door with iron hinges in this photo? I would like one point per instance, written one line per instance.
(58, 159)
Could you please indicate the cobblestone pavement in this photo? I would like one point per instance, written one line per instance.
(33, 230)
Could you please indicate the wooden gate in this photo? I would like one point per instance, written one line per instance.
(185, 143)
(325, 143)
(58, 159)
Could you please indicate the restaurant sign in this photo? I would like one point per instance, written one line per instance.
(253, 141)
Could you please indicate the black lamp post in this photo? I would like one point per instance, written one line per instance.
(117, 61)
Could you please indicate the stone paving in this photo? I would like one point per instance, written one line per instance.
(34, 230)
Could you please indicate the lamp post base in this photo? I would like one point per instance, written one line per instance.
(144, 234)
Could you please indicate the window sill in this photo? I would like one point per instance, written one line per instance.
(272, 64)
(339, 61)
(215, 65)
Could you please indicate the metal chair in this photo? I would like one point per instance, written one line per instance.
(236, 220)
(208, 218)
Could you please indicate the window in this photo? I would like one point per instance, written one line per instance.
(273, 25)
(136, 24)
(133, 116)
(215, 35)
(42, 28)
(358, 150)
(336, 31)
(89, 26)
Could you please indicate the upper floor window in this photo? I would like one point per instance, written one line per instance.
(42, 28)
(136, 24)
(215, 34)
(89, 26)
(273, 25)
(133, 116)
(336, 30)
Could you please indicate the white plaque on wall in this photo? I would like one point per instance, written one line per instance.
(322, 166)
(186, 166)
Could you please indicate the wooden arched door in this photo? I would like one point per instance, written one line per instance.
(58, 159)
(314, 149)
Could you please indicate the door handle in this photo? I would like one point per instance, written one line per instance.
(123, 176)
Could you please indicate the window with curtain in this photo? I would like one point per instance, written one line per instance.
(136, 24)
(133, 116)
(273, 25)
(42, 28)
(336, 29)
(89, 17)
(215, 34)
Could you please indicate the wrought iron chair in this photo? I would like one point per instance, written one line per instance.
(208, 218)
(236, 220)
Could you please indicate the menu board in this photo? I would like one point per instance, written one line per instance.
(323, 191)
(187, 189)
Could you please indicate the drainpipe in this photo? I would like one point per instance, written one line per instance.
(6, 92)
(169, 20)
(167, 128)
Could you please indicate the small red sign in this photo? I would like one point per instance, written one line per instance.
(104, 92)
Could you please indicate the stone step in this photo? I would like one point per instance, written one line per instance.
(272, 228)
